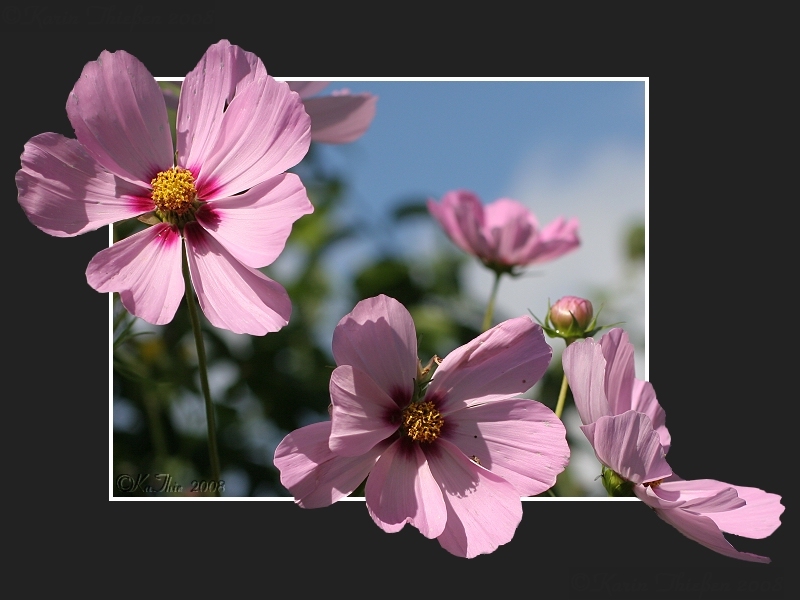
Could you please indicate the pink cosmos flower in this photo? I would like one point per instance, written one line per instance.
(624, 422)
(503, 234)
(339, 118)
(223, 190)
(451, 454)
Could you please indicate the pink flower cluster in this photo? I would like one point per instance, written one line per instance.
(449, 448)
(625, 425)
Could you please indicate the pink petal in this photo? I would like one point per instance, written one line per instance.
(378, 337)
(703, 530)
(620, 370)
(65, 192)
(340, 119)
(254, 226)
(585, 369)
(629, 446)
(643, 400)
(401, 489)
(510, 230)
(306, 89)
(507, 359)
(118, 112)
(206, 92)
(263, 132)
(145, 269)
(469, 207)
(232, 295)
(313, 474)
(555, 240)
(483, 509)
(361, 412)
(759, 518)
(521, 440)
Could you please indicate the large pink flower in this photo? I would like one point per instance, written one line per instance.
(223, 190)
(503, 234)
(624, 422)
(452, 458)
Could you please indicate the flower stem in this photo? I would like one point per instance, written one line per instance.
(213, 454)
(562, 396)
(487, 319)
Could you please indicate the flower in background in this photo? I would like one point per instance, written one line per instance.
(625, 424)
(448, 448)
(338, 118)
(504, 234)
(223, 191)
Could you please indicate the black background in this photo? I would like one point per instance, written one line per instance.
(714, 360)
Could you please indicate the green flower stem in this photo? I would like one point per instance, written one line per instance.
(213, 454)
(562, 396)
(487, 319)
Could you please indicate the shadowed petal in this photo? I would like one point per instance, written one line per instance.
(340, 118)
(401, 489)
(232, 295)
(521, 440)
(360, 414)
(118, 112)
(643, 400)
(254, 226)
(620, 370)
(629, 446)
(379, 338)
(206, 92)
(66, 192)
(306, 89)
(264, 131)
(585, 369)
(483, 509)
(145, 269)
(312, 473)
(507, 359)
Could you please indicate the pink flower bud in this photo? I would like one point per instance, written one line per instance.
(563, 311)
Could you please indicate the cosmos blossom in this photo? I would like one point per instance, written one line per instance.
(625, 425)
(504, 234)
(222, 191)
(449, 448)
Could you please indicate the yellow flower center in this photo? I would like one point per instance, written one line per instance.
(421, 421)
(174, 191)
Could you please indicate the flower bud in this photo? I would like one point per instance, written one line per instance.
(571, 313)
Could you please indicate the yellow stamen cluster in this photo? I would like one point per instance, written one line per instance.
(421, 421)
(174, 191)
